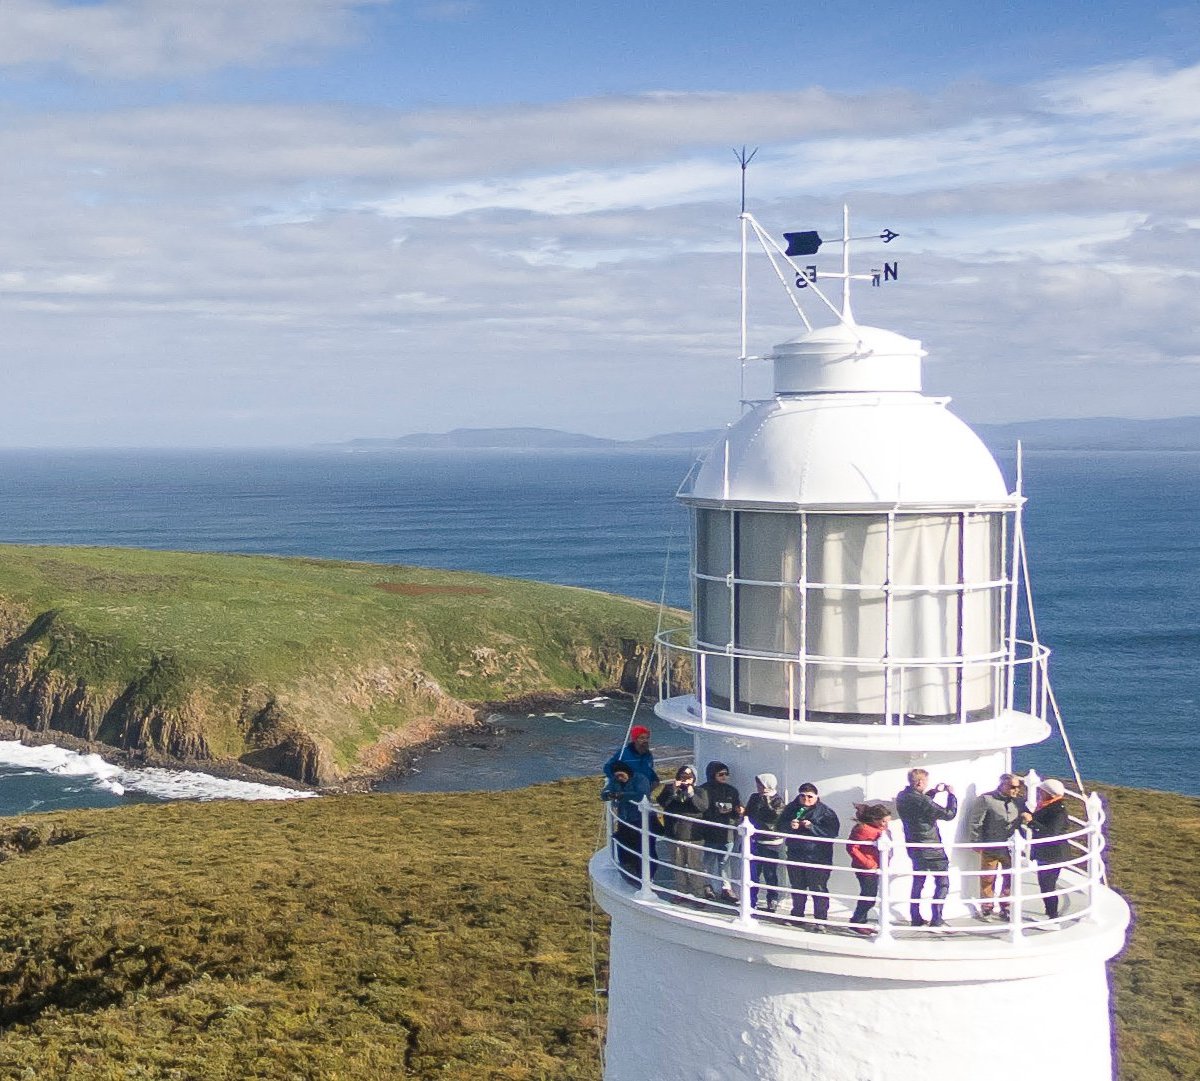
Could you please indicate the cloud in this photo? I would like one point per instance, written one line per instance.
(139, 39)
(171, 272)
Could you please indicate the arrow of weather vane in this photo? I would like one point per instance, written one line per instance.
(809, 243)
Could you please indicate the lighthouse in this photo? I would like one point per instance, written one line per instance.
(860, 610)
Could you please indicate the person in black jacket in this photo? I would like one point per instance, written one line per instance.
(1047, 824)
(683, 804)
(920, 813)
(763, 809)
(807, 822)
(721, 816)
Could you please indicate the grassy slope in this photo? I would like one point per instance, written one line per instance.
(408, 936)
(337, 651)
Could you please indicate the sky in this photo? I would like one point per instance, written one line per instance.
(290, 222)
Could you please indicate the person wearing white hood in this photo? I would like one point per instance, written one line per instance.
(763, 810)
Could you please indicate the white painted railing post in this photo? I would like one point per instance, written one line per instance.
(1018, 847)
(703, 682)
(746, 833)
(1095, 861)
(885, 846)
(646, 893)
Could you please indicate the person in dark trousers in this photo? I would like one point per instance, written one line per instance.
(683, 803)
(871, 823)
(920, 813)
(763, 809)
(807, 822)
(1047, 825)
(626, 790)
(721, 816)
(635, 754)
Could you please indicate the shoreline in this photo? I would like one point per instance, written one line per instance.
(479, 732)
(403, 761)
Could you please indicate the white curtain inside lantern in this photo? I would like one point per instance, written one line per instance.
(812, 592)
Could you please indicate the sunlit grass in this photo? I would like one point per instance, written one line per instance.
(347, 651)
(425, 936)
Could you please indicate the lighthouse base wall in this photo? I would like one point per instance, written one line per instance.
(680, 1014)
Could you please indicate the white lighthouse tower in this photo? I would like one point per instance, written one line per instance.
(857, 568)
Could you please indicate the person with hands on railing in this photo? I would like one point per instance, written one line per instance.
(721, 816)
(807, 822)
(919, 814)
(683, 803)
(763, 809)
(1047, 825)
(995, 817)
(626, 790)
(871, 823)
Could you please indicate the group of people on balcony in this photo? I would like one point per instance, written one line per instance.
(692, 843)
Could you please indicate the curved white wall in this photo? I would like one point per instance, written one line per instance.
(678, 1014)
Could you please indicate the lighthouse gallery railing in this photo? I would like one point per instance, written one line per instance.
(1018, 673)
(637, 850)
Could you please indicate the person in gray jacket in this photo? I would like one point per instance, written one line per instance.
(995, 817)
(920, 814)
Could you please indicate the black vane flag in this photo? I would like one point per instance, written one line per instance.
(802, 243)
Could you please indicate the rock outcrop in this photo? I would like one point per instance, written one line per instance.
(163, 712)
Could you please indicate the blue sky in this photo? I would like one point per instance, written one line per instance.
(296, 221)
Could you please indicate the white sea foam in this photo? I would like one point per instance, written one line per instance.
(190, 784)
(165, 784)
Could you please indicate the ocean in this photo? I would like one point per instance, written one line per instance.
(1112, 540)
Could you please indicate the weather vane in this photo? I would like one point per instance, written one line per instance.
(804, 277)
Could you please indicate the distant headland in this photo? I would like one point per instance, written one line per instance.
(1079, 433)
(320, 671)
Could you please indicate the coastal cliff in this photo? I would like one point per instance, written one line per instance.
(318, 671)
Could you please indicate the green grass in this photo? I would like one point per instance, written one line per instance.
(346, 652)
(422, 936)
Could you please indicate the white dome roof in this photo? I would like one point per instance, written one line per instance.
(849, 449)
(847, 357)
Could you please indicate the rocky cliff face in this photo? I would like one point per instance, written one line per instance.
(161, 713)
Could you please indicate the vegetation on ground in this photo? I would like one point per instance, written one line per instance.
(313, 668)
(408, 936)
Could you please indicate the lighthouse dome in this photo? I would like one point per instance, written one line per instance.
(848, 449)
(847, 357)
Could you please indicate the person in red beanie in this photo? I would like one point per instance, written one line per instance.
(636, 754)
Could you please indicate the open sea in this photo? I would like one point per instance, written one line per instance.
(1112, 537)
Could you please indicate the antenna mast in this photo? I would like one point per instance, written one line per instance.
(744, 160)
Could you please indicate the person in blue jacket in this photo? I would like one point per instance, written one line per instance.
(807, 823)
(636, 754)
(626, 790)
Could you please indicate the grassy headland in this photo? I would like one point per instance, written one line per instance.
(314, 669)
(390, 936)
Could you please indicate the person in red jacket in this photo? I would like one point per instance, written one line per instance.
(871, 822)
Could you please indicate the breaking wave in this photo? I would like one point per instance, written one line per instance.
(152, 782)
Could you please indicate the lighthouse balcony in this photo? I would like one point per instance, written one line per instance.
(1000, 697)
(819, 911)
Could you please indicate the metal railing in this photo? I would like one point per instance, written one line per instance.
(903, 682)
(733, 879)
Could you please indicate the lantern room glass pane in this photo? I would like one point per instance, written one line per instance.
(713, 610)
(768, 547)
(713, 548)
